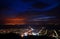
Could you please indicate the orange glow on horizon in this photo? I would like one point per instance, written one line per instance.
(14, 21)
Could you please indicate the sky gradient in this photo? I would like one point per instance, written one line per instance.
(38, 10)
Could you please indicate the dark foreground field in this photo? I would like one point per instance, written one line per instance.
(16, 36)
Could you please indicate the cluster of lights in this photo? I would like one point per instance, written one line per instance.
(26, 34)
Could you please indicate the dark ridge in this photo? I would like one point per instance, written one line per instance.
(50, 27)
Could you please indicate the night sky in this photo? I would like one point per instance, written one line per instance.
(29, 10)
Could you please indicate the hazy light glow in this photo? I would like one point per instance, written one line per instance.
(14, 21)
(42, 18)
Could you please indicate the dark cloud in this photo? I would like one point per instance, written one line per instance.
(39, 5)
